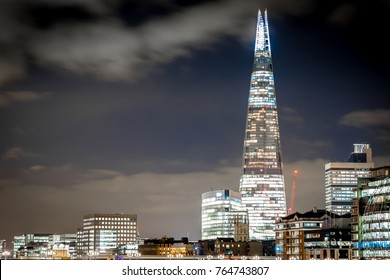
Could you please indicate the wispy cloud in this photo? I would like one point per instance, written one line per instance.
(13, 153)
(367, 118)
(17, 152)
(62, 175)
(290, 115)
(6, 98)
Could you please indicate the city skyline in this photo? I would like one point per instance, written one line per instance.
(140, 108)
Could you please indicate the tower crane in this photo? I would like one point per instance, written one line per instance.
(292, 201)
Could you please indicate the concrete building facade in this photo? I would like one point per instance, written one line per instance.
(105, 234)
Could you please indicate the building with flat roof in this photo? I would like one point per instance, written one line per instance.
(166, 246)
(104, 234)
(222, 214)
(341, 178)
(298, 232)
(328, 243)
(230, 248)
(45, 246)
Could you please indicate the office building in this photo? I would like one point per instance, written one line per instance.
(21, 241)
(262, 182)
(45, 246)
(222, 213)
(105, 234)
(341, 178)
(371, 216)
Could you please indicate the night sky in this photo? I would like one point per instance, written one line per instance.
(114, 106)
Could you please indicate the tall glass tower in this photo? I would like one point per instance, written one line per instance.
(262, 181)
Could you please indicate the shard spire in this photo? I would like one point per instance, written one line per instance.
(262, 181)
(262, 33)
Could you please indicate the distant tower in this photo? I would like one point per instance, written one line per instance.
(262, 182)
(341, 178)
(241, 227)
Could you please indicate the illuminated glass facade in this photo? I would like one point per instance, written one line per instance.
(24, 239)
(371, 216)
(341, 179)
(103, 233)
(262, 182)
(43, 245)
(220, 210)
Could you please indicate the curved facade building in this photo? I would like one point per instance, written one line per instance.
(220, 210)
(262, 182)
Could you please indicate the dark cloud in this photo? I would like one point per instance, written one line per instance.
(94, 38)
(110, 50)
(343, 14)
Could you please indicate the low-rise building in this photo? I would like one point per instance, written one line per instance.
(294, 233)
(329, 243)
(229, 248)
(166, 246)
(45, 246)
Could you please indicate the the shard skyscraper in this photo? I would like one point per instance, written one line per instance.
(262, 182)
